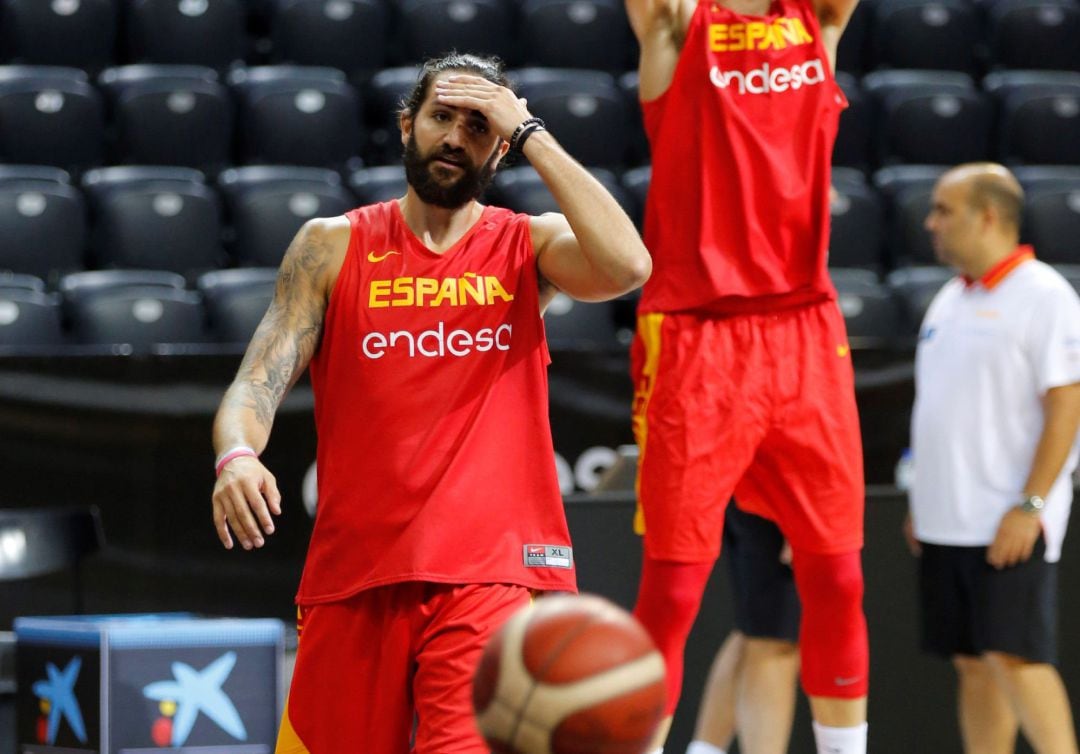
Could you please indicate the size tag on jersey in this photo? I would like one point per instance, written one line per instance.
(548, 556)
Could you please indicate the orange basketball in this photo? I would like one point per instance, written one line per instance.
(570, 675)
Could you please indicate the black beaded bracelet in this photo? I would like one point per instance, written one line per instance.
(527, 133)
(516, 136)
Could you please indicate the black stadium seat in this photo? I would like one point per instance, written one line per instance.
(930, 117)
(384, 94)
(916, 287)
(350, 35)
(572, 325)
(1052, 212)
(1039, 115)
(191, 32)
(584, 109)
(928, 34)
(29, 318)
(138, 316)
(236, 300)
(50, 116)
(871, 311)
(378, 184)
(170, 115)
(522, 190)
(854, 145)
(577, 34)
(906, 190)
(857, 219)
(268, 204)
(636, 182)
(433, 27)
(76, 33)
(154, 218)
(42, 221)
(1027, 34)
(297, 116)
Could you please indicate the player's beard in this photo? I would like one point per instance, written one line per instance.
(472, 182)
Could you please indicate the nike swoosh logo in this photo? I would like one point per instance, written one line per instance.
(839, 681)
(372, 257)
(842, 351)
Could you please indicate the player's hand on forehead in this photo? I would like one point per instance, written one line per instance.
(503, 109)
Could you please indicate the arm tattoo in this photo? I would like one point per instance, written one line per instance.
(287, 337)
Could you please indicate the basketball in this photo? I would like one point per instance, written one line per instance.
(570, 675)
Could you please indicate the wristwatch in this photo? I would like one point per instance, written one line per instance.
(1032, 504)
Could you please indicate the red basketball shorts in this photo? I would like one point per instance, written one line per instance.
(369, 666)
(759, 406)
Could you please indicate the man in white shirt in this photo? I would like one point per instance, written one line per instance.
(994, 436)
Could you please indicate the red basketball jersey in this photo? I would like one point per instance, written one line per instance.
(737, 215)
(435, 458)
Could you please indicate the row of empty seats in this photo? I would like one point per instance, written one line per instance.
(364, 35)
(186, 115)
(174, 219)
(143, 309)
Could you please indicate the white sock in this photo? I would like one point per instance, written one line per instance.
(703, 747)
(840, 740)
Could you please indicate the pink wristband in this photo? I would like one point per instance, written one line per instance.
(230, 454)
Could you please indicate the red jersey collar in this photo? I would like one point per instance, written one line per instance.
(1001, 270)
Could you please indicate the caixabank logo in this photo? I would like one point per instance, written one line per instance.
(221, 698)
(58, 703)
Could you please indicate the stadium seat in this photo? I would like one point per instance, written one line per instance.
(583, 109)
(638, 150)
(236, 300)
(190, 32)
(76, 33)
(138, 316)
(1052, 212)
(576, 325)
(906, 190)
(17, 281)
(870, 309)
(853, 53)
(268, 204)
(153, 218)
(1070, 272)
(1025, 34)
(522, 190)
(855, 140)
(577, 34)
(29, 318)
(42, 221)
(350, 35)
(433, 27)
(169, 115)
(50, 116)
(636, 182)
(90, 282)
(856, 238)
(1039, 115)
(928, 34)
(297, 116)
(378, 184)
(930, 117)
(384, 96)
(916, 287)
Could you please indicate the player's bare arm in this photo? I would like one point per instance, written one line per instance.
(592, 251)
(833, 16)
(1018, 530)
(246, 492)
(660, 27)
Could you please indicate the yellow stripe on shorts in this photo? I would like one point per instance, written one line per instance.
(648, 328)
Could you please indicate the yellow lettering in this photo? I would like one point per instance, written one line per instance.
(425, 287)
(403, 292)
(718, 35)
(494, 288)
(773, 37)
(471, 289)
(738, 37)
(447, 293)
(801, 32)
(377, 294)
(755, 32)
